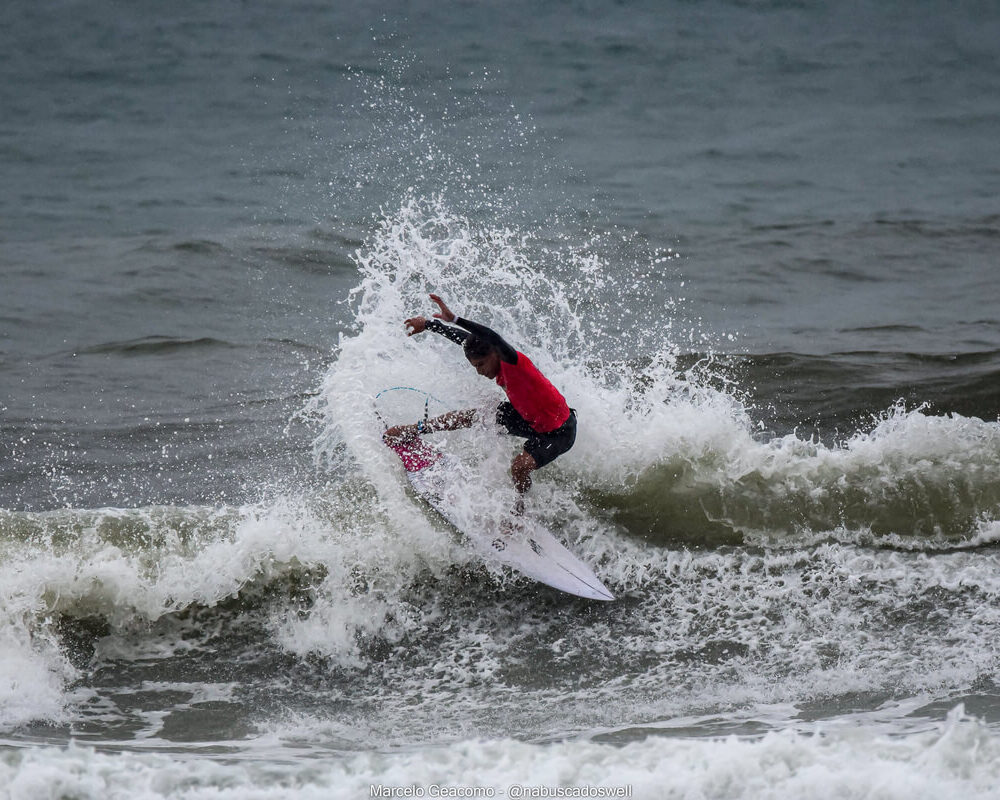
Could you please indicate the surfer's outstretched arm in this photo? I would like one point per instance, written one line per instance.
(419, 325)
(452, 421)
(489, 336)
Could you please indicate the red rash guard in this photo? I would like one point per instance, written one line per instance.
(533, 395)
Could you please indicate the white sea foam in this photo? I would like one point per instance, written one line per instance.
(956, 758)
(135, 566)
(33, 673)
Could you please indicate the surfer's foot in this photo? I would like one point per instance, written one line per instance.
(509, 526)
(518, 508)
(513, 523)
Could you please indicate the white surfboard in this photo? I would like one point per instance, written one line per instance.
(518, 542)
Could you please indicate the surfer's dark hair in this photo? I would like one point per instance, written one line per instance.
(475, 347)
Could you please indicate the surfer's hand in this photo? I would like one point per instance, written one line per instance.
(415, 325)
(400, 434)
(446, 313)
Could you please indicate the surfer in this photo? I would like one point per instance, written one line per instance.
(534, 409)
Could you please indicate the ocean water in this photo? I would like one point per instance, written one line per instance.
(755, 244)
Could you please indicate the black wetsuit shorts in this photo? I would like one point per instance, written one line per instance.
(543, 447)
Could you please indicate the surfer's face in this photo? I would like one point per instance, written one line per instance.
(488, 366)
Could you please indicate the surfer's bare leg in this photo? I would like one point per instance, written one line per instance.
(520, 470)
